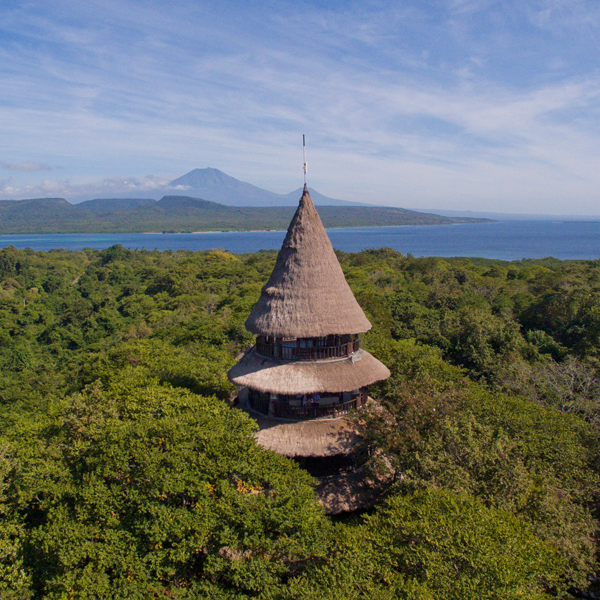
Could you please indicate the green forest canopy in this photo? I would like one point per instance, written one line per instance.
(126, 473)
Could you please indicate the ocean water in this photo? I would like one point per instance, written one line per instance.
(506, 240)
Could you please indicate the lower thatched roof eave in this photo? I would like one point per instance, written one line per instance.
(316, 439)
(299, 377)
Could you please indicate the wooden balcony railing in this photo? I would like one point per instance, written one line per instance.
(285, 410)
(274, 350)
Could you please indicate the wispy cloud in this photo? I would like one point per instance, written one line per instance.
(106, 188)
(26, 166)
(557, 15)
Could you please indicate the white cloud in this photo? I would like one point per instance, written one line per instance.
(136, 186)
(26, 166)
(558, 15)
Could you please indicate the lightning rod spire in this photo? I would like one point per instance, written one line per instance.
(304, 156)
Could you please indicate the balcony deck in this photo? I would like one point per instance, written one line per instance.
(301, 438)
(326, 407)
(277, 350)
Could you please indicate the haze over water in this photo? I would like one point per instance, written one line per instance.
(505, 240)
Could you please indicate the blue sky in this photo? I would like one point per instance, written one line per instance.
(455, 104)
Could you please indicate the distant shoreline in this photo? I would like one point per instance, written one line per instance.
(131, 232)
(486, 222)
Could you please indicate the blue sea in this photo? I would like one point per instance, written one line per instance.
(506, 240)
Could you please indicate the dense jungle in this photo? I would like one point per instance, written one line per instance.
(126, 473)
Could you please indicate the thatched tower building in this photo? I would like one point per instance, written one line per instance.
(307, 362)
(307, 369)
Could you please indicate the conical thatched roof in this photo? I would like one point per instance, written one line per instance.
(307, 294)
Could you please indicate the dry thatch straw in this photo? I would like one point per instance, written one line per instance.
(307, 294)
(316, 439)
(299, 377)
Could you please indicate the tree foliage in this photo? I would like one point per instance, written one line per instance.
(124, 472)
(434, 545)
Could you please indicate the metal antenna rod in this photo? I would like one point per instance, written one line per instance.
(304, 155)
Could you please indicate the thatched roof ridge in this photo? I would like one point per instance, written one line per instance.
(307, 294)
(303, 377)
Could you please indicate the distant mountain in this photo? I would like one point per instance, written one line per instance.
(185, 213)
(212, 184)
(320, 200)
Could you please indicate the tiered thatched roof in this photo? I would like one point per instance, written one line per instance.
(299, 377)
(307, 294)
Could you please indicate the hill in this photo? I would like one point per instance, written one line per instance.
(42, 215)
(102, 206)
(184, 214)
